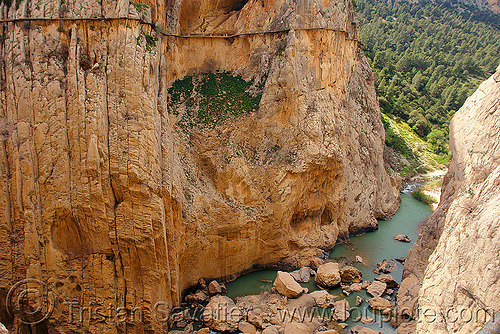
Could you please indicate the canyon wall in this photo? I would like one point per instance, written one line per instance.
(106, 203)
(452, 272)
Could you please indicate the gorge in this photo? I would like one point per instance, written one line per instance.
(150, 148)
(106, 201)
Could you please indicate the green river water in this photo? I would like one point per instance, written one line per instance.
(373, 247)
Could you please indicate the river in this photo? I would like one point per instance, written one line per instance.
(373, 247)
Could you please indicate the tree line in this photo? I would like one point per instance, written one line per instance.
(428, 58)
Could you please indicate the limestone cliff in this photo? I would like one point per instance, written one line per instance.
(108, 202)
(456, 258)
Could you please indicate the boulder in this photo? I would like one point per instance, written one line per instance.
(255, 318)
(287, 286)
(205, 330)
(366, 320)
(400, 259)
(408, 327)
(203, 284)
(358, 329)
(330, 331)
(387, 279)
(189, 329)
(385, 267)
(247, 328)
(221, 314)
(358, 259)
(214, 288)
(273, 330)
(304, 302)
(328, 275)
(323, 298)
(365, 284)
(402, 238)
(376, 289)
(197, 298)
(316, 262)
(341, 311)
(359, 300)
(303, 275)
(379, 303)
(350, 274)
(298, 328)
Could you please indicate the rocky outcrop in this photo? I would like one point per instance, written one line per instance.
(455, 259)
(105, 199)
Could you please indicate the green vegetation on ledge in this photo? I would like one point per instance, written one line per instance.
(420, 195)
(415, 155)
(207, 100)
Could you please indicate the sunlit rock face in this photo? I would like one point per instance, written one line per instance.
(108, 200)
(455, 262)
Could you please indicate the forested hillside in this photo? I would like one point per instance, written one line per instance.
(428, 57)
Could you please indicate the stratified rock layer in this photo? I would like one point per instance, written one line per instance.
(460, 283)
(107, 202)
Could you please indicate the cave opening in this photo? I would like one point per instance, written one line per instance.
(198, 14)
(238, 5)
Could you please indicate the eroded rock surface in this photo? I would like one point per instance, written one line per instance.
(350, 274)
(454, 265)
(106, 200)
(328, 275)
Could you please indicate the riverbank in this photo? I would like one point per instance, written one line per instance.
(363, 253)
(427, 187)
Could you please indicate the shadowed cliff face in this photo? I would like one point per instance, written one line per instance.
(108, 202)
(453, 267)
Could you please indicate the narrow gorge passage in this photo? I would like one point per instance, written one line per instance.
(373, 247)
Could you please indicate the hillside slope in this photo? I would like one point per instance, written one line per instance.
(428, 58)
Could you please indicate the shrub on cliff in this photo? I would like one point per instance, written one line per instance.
(207, 100)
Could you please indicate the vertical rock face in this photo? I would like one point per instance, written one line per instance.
(109, 204)
(460, 278)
